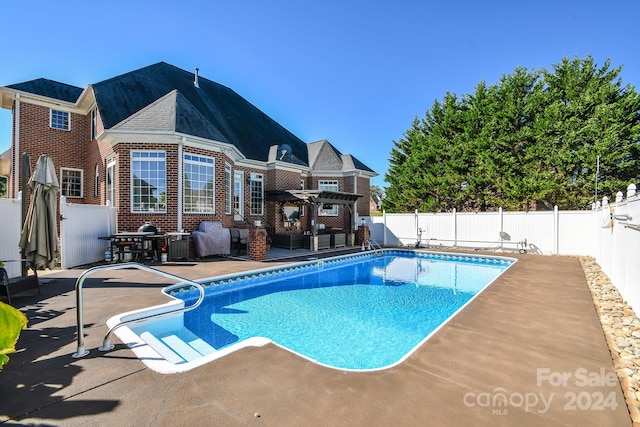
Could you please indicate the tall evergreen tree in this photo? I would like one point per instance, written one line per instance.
(530, 141)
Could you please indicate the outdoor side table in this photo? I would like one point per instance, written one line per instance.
(178, 246)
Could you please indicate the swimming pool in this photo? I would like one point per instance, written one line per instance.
(355, 312)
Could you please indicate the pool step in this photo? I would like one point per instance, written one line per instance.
(163, 350)
(201, 346)
(176, 350)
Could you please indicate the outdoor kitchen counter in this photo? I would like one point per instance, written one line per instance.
(134, 244)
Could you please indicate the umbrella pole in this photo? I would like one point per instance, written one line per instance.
(24, 176)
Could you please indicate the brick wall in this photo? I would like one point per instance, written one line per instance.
(67, 149)
(364, 188)
(97, 153)
(342, 220)
(73, 149)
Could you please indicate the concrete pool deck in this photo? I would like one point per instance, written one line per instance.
(528, 351)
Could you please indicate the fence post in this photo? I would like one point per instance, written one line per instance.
(384, 227)
(631, 190)
(454, 219)
(556, 230)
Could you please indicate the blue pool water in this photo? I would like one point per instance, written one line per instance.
(363, 312)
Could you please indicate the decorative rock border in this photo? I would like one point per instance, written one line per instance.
(621, 329)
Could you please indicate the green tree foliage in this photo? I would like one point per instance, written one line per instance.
(376, 190)
(530, 141)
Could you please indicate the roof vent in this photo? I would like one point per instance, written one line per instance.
(195, 78)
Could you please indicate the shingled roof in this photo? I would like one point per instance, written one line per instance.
(210, 110)
(324, 156)
(162, 97)
(50, 89)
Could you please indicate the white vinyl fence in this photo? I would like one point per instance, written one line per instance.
(79, 232)
(552, 232)
(610, 232)
(617, 230)
(10, 228)
(80, 227)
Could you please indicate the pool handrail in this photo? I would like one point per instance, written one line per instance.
(106, 344)
(377, 249)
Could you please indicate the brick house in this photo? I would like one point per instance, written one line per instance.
(172, 148)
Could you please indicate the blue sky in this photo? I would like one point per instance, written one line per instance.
(354, 72)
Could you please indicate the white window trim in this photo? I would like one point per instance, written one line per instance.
(186, 161)
(335, 210)
(93, 117)
(81, 182)
(238, 177)
(110, 190)
(51, 110)
(256, 177)
(131, 187)
(228, 189)
(96, 182)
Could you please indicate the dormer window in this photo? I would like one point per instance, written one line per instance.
(60, 120)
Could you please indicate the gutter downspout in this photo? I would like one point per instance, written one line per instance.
(180, 173)
(16, 147)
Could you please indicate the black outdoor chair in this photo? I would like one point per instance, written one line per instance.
(9, 287)
(239, 239)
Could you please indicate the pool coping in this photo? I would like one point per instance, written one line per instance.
(479, 352)
(152, 356)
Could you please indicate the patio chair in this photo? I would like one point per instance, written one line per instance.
(239, 239)
(9, 287)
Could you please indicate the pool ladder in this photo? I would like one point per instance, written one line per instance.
(106, 343)
(371, 244)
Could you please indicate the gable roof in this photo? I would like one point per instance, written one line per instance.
(50, 89)
(324, 156)
(211, 110)
(171, 113)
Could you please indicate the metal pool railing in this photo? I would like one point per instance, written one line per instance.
(371, 244)
(106, 344)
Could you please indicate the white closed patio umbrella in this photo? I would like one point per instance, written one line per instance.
(39, 238)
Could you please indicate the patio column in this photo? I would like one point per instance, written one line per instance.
(313, 241)
(352, 219)
(258, 244)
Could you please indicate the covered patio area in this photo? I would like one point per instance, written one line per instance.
(293, 233)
